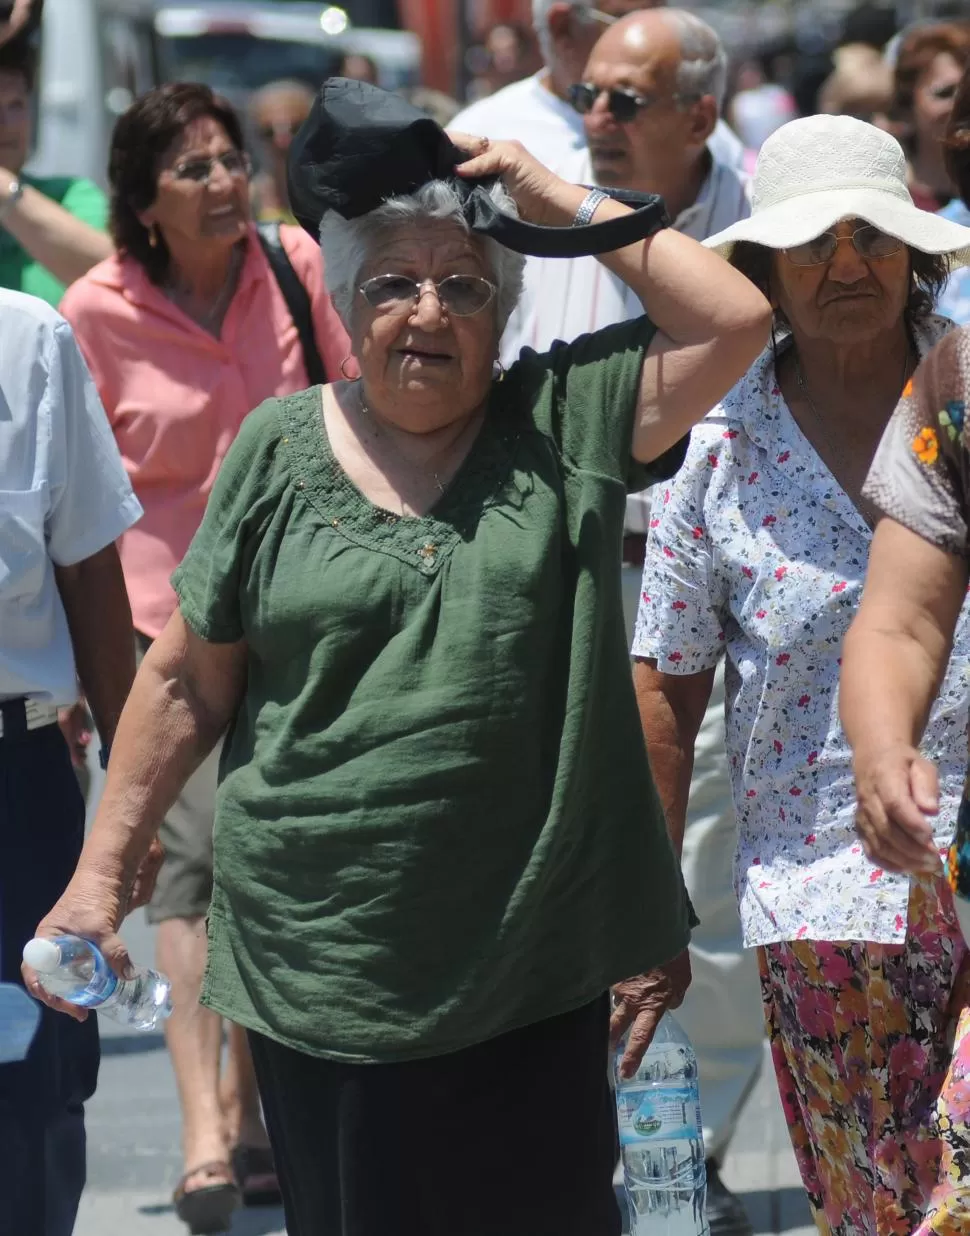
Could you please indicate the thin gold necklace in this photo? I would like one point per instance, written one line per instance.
(382, 433)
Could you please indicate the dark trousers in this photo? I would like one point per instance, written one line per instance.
(42, 1147)
(513, 1137)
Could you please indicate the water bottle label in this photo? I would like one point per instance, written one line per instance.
(653, 1114)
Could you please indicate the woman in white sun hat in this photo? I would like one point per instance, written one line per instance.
(758, 552)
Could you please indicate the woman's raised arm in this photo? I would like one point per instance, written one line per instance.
(712, 322)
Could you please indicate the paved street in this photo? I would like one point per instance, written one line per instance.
(133, 1144)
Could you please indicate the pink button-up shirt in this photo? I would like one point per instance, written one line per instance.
(176, 395)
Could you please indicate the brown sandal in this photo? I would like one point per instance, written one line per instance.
(256, 1175)
(207, 1210)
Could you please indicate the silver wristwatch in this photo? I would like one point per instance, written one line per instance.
(587, 207)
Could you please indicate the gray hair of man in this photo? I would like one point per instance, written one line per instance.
(347, 244)
(583, 11)
(703, 65)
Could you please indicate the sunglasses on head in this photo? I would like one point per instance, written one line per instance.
(869, 242)
(623, 105)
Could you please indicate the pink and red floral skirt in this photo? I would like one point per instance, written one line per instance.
(871, 1048)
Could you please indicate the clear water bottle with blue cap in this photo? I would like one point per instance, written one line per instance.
(76, 970)
(662, 1139)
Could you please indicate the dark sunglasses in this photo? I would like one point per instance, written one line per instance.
(269, 132)
(623, 105)
(869, 242)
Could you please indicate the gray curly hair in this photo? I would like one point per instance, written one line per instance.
(347, 243)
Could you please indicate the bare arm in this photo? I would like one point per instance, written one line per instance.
(65, 245)
(894, 659)
(185, 694)
(99, 619)
(712, 322)
(672, 707)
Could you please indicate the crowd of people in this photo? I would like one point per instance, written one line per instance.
(514, 559)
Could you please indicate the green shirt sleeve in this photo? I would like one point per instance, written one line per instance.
(85, 201)
(584, 395)
(213, 576)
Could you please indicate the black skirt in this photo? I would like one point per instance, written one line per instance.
(512, 1137)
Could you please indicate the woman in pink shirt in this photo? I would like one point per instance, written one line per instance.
(185, 331)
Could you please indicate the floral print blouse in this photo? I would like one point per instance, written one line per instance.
(756, 553)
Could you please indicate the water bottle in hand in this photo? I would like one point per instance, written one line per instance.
(75, 970)
(661, 1138)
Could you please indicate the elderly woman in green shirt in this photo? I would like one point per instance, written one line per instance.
(438, 845)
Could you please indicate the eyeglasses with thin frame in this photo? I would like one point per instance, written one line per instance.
(459, 295)
(623, 105)
(199, 171)
(869, 242)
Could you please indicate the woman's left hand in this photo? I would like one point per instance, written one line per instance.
(897, 791)
(639, 1005)
(541, 196)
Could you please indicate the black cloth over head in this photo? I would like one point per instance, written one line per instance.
(361, 145)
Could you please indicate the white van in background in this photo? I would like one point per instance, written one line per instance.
(96, 56)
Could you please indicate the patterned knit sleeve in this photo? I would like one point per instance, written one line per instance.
(919, 476)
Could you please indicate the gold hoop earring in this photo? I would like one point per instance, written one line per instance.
(343, 369)
(499, 375)
(153, 235)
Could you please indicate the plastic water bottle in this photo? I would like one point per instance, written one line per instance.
(75, 970)
(661, 1138)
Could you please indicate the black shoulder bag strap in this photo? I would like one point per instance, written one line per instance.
(297, 300)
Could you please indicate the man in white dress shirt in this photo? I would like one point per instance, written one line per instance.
(64, 615)
(664, 70)
(536, 111)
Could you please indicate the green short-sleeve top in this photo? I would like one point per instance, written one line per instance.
(435, 819)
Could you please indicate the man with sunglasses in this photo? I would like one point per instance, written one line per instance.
(276, 113)
(650, 97)
(537, 111)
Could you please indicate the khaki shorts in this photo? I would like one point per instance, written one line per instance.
(184, 886)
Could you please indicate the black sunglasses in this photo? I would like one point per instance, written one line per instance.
(622, 105)
(268, 132)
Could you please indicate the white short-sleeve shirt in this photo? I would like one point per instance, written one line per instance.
(64, 493)
(756, 553)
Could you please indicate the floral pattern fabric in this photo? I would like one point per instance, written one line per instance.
(756, 553)
(871, 1049)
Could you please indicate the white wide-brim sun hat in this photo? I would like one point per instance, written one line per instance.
(814, 172)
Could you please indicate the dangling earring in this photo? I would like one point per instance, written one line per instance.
(499, 374)
(343, 369)
(153, 235)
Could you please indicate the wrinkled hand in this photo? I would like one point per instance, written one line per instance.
(640, 1003)
(144, 885)
(529, 182)
(75, 725)
(92, 906)
(896, 790)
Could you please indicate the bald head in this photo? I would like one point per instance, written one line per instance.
(656, 81)
(675, 45)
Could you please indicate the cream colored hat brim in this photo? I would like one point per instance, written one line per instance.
(803, 217)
